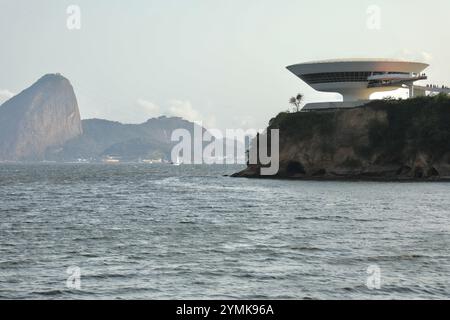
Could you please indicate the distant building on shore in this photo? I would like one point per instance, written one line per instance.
(111, 160)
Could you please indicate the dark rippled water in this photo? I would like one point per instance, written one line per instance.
(157, 232)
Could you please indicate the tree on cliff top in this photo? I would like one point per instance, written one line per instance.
(296, 101)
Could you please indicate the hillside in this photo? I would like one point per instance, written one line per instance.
(42, 116)
(384, 140)
(101, 138)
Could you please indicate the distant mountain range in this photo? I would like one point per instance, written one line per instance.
(43, 123)
(129, 142)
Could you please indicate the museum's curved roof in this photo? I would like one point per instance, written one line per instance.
(357, 65)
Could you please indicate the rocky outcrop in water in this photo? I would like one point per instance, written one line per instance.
(43, 116)
(383, 140)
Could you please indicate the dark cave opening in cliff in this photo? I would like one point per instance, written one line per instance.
(295, 167)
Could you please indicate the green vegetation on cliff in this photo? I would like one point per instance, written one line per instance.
(420, 124)
(304, 124)
(385, 139)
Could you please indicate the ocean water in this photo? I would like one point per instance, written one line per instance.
(188, 232)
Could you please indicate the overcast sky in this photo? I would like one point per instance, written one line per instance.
(219, 61)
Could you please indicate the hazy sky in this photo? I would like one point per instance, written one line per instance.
(220, 61)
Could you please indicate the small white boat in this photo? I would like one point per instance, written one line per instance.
(178, 162)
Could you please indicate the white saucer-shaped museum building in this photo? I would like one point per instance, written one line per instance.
(357, 79)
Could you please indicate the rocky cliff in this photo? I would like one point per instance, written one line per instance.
(383, 140)
(44, 115)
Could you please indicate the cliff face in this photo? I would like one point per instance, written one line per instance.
(386, 140)
(42, 116)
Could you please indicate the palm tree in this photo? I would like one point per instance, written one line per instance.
(296, 101)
